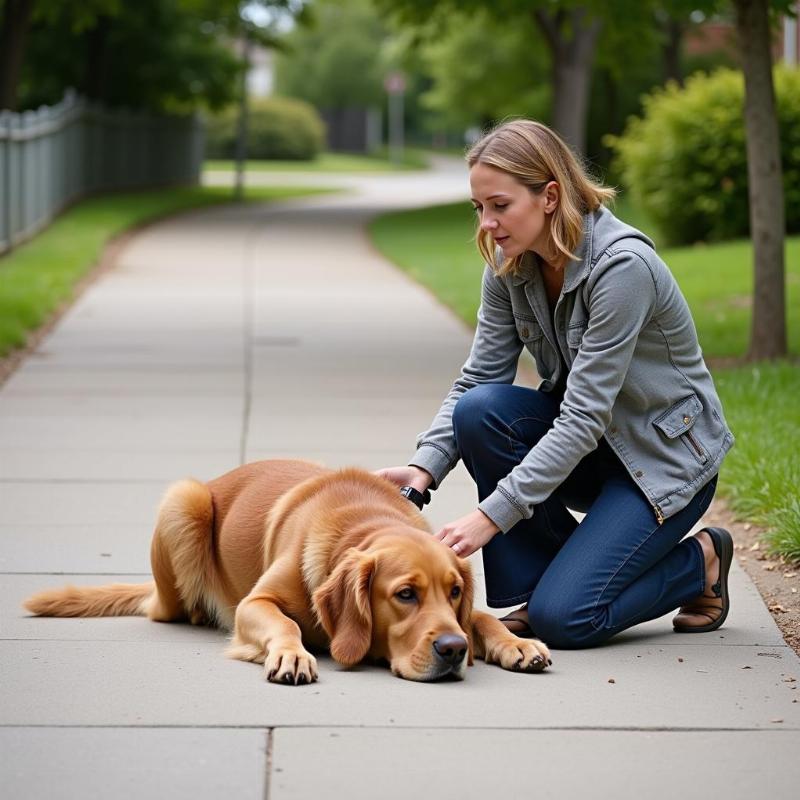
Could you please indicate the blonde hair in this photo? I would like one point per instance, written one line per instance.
(535, 155)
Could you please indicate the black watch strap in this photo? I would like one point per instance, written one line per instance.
(417, 497)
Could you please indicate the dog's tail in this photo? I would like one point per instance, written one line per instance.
(113, 600)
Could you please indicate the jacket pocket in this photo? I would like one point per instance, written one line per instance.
(528, 330)
(575, 335)
(678, 421)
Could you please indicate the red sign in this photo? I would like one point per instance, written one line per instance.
(395, 83)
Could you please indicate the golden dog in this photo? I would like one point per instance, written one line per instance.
(284, 552)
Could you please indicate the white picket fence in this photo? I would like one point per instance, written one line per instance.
(51, 157)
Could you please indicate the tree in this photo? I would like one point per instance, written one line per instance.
(673, 20)
(335, 62)
(570, 29)
(765, 179)
(572, 35)
(158, 55)
(162, 55)
(16, 17)
(477, 51)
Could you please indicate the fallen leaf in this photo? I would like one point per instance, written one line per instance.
(790, 679)
(794, 591)
(777, 607)
(789, 574)
(756, 546)
(747, 526)
(768, 567)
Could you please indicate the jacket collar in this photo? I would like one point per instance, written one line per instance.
(576, 271)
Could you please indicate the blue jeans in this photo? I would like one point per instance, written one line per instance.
(584, 582)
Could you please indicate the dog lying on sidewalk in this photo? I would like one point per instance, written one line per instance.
(284, 552)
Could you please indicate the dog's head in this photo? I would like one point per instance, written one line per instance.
(406, 598)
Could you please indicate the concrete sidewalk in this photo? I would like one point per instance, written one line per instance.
(235, 334)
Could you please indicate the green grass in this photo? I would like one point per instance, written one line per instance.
(761, 475)
(40, 274)
(436, 247)
(333, 162)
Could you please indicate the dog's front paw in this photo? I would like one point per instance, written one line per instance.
(520, 655)
(290, 666)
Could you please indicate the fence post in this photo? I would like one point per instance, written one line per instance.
(5, 180)
(56, 154)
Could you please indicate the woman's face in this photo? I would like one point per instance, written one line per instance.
(517, 219)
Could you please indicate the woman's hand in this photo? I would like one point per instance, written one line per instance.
(468, 534)
(407, 476)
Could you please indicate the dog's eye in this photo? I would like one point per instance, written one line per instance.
(406, 595)
(455, 593)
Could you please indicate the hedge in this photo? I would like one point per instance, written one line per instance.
(685, 160)
(278, 128)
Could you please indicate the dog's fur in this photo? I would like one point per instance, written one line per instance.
(283, 552)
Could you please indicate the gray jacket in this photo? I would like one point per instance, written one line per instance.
(636, 375)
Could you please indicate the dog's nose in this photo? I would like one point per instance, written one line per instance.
(451, 648)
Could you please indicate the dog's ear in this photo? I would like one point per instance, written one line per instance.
(465, 609)
(342, 605)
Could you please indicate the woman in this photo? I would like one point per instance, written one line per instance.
(625, 426)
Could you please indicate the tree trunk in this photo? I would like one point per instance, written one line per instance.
(98, 54)
(13, 29)
(767, 215)
(242, 122)
(572, 39)
(671, 50)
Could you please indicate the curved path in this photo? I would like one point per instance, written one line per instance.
(233, 334)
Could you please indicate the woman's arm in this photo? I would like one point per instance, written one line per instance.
(492, 359)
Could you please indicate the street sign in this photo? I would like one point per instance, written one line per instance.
(395, 83)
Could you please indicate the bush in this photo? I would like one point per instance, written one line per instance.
(278, 128)
(685, 162)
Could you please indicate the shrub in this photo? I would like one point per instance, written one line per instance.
(278, 128)
(685, 161)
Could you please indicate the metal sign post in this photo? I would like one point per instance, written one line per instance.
(240, 156)
(395, 85)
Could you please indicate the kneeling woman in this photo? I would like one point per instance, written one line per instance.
(626, 425)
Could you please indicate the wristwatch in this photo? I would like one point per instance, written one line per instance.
(417, 497)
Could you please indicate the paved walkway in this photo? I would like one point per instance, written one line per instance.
(236, 334)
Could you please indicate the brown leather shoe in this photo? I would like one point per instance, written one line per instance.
(517, 622)
(714, 606)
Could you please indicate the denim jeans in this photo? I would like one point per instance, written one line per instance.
(583, 583)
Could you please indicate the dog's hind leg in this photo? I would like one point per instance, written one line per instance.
(180, 554)
(165, 603)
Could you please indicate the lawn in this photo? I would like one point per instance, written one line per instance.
(333, 162)
(761, 475)
(40, 274)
